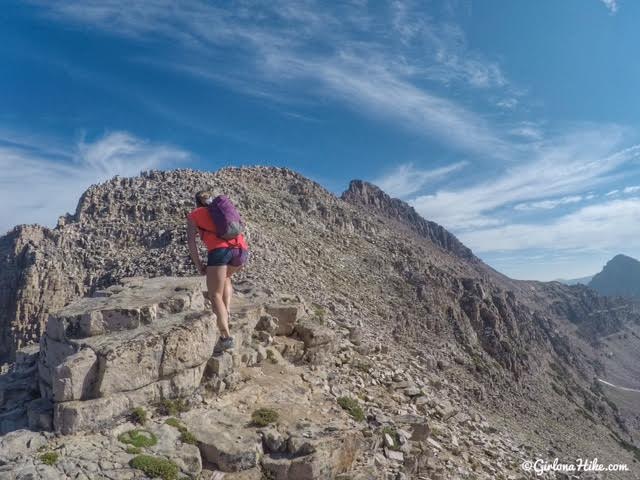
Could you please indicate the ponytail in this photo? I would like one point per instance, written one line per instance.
(203, 198)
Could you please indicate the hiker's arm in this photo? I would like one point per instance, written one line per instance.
(193, 248)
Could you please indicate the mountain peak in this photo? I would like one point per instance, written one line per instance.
(619, 277)
(621, 258)
(368, 195)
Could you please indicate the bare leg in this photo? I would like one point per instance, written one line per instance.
(228, 287)
(216, 281)
(228, 292)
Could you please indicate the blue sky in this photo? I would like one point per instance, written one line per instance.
(512, 123)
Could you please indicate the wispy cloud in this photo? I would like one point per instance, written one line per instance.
(565, 167)
(39, 182)
(612, 5)
(548, 204)
(380, 68)
(407, 179)
(527, 131)
(614, 224)
(488, 214)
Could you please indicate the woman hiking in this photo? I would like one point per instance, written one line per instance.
(226, 255)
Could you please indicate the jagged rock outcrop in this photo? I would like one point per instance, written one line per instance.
(131, 344)
(20, 402)
(593, 314)
(368, 195)
(149, 342)
(37, 276)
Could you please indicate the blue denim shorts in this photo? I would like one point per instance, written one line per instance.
(235, 257)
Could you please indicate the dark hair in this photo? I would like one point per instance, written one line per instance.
(201, 198)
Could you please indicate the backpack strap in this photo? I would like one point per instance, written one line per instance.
(233, 242)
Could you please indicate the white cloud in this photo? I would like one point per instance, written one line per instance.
(548, 204)
(287, 46)
(614, 224)
(527, 131)
(612, 5)
(39, 183)
(407, 179)
(566, 167)
(632, 189)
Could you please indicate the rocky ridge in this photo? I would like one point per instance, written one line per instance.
(430, 313)
(98, 368)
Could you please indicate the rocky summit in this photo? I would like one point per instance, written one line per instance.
(619, 277)
(370, 344)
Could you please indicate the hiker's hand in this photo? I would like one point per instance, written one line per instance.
(203, 269)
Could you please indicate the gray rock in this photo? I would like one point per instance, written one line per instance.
(394, 455)
(220, 365)
(287, 315)
(313, 334)
(20, 443)
(224, 440)
(75, 378)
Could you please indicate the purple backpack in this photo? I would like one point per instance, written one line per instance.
(225, 217)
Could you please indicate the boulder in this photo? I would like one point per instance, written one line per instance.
(18, 444)
(75, 377)
(220, 365)
(169, 445)
(314, 334)
(224, 439)
(95, 414)
(287, 314)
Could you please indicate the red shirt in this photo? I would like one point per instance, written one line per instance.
(201, 218)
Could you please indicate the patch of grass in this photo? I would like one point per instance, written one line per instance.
(185, 435)
(320, 312)
(138, 438)
(352, 407)
(49, 458)
(131, 450)
(264, 416)
(174, 422)
(172, 407)
(155, 467)
(139, 415)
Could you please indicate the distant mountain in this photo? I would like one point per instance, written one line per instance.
(620, 276)
(576, 281)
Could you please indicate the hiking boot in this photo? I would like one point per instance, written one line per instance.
(223, 344)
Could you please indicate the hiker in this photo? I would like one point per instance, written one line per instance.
(226, 255)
